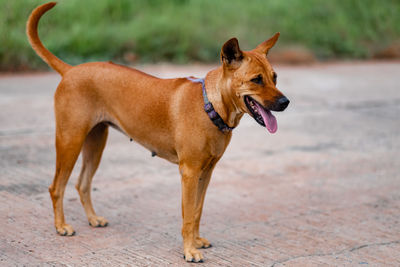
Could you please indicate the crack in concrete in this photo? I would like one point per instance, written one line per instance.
(337, 252)
(375, 244)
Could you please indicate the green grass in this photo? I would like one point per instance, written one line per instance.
(181, 31)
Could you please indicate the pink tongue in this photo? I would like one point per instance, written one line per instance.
(269, 119)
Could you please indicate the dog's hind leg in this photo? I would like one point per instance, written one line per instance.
(68, 146)
(91, 154)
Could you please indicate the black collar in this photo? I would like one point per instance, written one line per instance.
(209, 109)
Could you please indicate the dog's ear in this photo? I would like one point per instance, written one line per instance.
(231, 55)
(265, 46)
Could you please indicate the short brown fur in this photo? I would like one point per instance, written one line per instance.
(164, 115)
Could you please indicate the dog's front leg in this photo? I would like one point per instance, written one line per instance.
(201, 193)
(190, 182)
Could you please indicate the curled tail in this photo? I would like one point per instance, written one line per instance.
(31, 30)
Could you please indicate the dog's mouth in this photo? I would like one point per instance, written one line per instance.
(262, 115)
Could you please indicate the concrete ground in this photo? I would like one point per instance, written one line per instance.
(323, 190)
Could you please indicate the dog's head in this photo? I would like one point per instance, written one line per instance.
(251, 81)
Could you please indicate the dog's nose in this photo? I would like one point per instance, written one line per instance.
(282, 102)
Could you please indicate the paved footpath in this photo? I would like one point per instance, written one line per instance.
(323, 190)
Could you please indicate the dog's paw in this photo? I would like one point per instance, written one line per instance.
(65, 230)
(202, 243)
(97, 221)
(193, 255)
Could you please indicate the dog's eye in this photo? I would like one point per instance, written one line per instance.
(274, 77)
(257, 80)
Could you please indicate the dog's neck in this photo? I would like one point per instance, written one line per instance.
(222, 98)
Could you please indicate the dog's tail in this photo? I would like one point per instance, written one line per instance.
(31, 30)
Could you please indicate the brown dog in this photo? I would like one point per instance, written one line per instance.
(167, 116)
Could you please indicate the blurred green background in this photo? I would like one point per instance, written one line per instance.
(182, 31)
